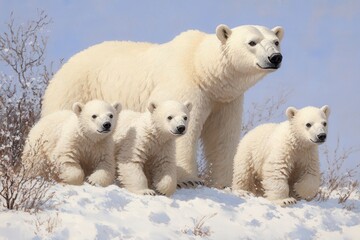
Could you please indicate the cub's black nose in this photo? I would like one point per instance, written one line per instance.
(181, 128)
(275, 58)
(322, 137)
(107, 125)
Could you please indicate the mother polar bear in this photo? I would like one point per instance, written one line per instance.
(212, 71)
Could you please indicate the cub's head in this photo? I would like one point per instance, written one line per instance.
(252, 49)
(310, 123)
(97, 118)
(171, 117)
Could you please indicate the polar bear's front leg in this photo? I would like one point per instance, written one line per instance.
(308, 185)
(186, 147)
(132, 177)
(220, 136)
(70, 171)
(164, 174)
(275, 183)
(104, 173)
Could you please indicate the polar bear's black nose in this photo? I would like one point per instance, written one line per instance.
(107, 125)
(180, 128)
(322, 137)
(275, 58)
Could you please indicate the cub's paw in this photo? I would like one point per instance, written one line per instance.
(159, 193)
(190, 184)
(100, 179)
(285, 202)
(146, 192)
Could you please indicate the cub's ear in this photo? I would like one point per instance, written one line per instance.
(152, 106)
(279, 32)
(326, 110)
(77, 108)
(117, 106)
(223, 32)
(290, 112)
(188, 105)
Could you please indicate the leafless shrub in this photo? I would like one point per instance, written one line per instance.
(47, 225)
(22, 83)
(199, 229)
(336, 179)
(265, 111)
(21, 189)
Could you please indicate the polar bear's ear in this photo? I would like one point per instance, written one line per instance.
(77, 108)
(290, 112)
(117, 106)
(152, 106)
(326, 110)
(223, 32)
(279, 32)
(188, 105)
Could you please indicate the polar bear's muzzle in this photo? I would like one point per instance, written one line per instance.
(320, 138)
(274, 62)
(106, 127)
(180, 130)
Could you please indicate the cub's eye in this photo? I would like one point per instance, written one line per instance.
(94, 116)
(308, 125)
(324, 124)
(252, 43)
(169, 117)
(111, 116)
(276, 43)
(185, 118)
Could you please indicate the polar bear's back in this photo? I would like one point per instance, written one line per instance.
(48, 129)
(258, 142)
(44, 136)
(130, 125)
(121, 71)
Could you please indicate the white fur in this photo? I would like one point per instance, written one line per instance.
(280, 161)
(212, 71)
(76, 142)
(145, 147)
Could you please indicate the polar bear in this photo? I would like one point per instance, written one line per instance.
(78, 142)
(280, 161)
(145, 147)
(212, 71)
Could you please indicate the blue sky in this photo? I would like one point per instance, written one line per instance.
(321, 45)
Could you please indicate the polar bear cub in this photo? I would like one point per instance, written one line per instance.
(78, 142)
(280, 161)
(145, 147)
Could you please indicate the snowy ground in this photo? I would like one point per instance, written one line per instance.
(88, 212)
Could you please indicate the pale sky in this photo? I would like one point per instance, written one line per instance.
(321, 63)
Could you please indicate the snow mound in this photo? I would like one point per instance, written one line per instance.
(88, 212)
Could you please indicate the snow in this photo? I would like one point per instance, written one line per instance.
(89, 212)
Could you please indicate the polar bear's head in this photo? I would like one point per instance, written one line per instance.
(250, 48)
(97, 118)
(310, 123)
(170, 117)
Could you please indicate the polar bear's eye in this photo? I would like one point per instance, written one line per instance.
(185, 118)
(324, 124)
(111, 116)
(276, 43)
(252, 43)
(308, 125)
(169, 117)
(94, 116)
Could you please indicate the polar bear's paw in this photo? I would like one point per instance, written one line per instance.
(285, 202)
(146, 192)
(190, 184)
